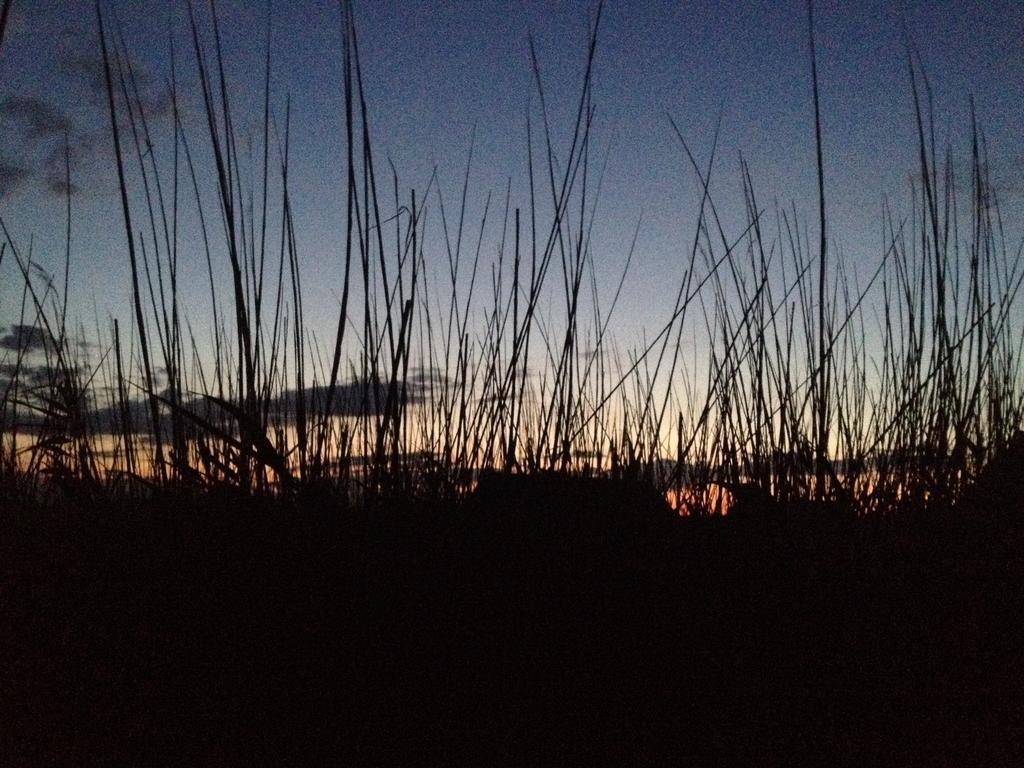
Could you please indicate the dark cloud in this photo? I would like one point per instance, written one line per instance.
(421, 377)
(53, 173)
(88, 72)
(25, 338)
(11, 177)
(348, 399)
(38, 378)
(58, 186)
(78, 147)
(35, 118)
(52, 139)
(27, 375)
(1004, 177)
(47, 130)
(111, 419)
(104, 419)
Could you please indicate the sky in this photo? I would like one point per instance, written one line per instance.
(440, 73)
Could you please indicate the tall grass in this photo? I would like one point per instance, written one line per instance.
(776, 369)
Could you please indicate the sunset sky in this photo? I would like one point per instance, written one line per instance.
(434, 70)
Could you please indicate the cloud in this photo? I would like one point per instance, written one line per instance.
(349, 398)
(11, 177)
(58, 186)
(107, 418)
(43, 129)
(1004, 177)
(47, 132)
(26, 338)
(35, 118)
(88, 72)
(53, 171)
(422, 377)
(30, 376)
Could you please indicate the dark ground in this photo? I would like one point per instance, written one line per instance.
(537, 625)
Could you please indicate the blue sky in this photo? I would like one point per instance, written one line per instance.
(434, 70)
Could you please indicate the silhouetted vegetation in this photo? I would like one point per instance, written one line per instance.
(537, 623)
(471, 527)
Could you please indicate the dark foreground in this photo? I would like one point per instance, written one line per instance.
(529, 627)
